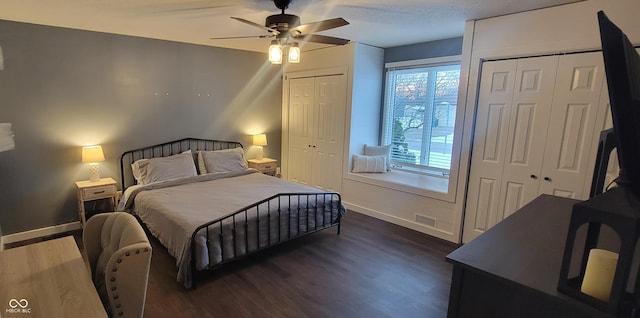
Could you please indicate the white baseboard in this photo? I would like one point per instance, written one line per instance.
(42, 232)
(402, 222)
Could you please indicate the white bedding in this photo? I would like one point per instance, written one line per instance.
(173, 209)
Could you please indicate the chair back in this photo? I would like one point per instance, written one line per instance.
(119, 255)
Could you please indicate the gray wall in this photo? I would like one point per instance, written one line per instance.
(63, 88)
(446, 47)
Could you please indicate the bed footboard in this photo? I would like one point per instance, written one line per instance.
(264, 224)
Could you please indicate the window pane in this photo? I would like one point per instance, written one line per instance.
(420, 109)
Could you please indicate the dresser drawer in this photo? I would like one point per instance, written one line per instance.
(99, 192)
(266, 166)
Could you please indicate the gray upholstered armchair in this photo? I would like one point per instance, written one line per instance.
(119, 255)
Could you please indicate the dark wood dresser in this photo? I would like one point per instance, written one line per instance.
(512, 270)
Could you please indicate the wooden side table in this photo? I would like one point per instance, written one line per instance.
(264, 165)
(105, 188)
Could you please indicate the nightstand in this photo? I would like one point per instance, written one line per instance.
(105, 188)
(264, 165)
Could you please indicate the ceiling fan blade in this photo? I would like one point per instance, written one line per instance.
(322, 39)
(243, 37)
(318, 26)
(274, 31)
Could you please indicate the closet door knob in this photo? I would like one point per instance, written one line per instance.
(534, 177)
(547, 179)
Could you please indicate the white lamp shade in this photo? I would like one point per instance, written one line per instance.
(6, 137)
(92, 154)
(294, 53)
(260, 140)
(275, 53)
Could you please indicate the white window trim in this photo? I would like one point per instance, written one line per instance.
(405, 180)
(430, 62)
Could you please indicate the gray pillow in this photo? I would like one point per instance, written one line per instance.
(379, 151)
(222, 160)
(369, 163)
(164, 168)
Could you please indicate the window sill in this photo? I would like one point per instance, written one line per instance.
(420, 184)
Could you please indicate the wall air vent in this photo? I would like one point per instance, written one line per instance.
(426, 220)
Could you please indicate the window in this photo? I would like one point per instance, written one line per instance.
(420, 115)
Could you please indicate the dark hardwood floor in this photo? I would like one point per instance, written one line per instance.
(372, 269)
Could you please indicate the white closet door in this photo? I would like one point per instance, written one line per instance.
(317, 110)
(571, 144)
(301, 112)
(492, 124)
(328, 133)
(558, 109)
(514, 105)
(528, 128)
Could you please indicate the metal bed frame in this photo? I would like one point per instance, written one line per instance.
(278, 208)
(167, 149)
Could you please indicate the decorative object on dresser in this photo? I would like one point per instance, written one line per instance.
(264, 165)
(6, 137)
(611, 220)
(219, 216)
(92, 155)
(259, 141)
(104, 188)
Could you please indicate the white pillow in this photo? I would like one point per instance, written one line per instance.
(222, 160)
(146, 171)
(369, 163)
(379, 151)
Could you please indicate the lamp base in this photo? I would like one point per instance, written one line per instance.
(94, 172)
(259, 153)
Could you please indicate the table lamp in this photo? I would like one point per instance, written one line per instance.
(259, 141)
(93, 155)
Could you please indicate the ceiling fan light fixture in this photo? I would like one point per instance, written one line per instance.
(285, 27)
(294, 53)
(275, 52)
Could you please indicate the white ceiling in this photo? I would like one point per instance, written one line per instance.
(382, 23)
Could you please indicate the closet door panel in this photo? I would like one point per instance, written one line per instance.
(576, 105)
(328, 134)
(491, 129)
(514, 198)
(559, 106)
(301, 112)
(532, 98)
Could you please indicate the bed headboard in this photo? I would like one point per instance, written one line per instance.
(164, 150)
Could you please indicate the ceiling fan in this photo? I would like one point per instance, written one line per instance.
(284, 26)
